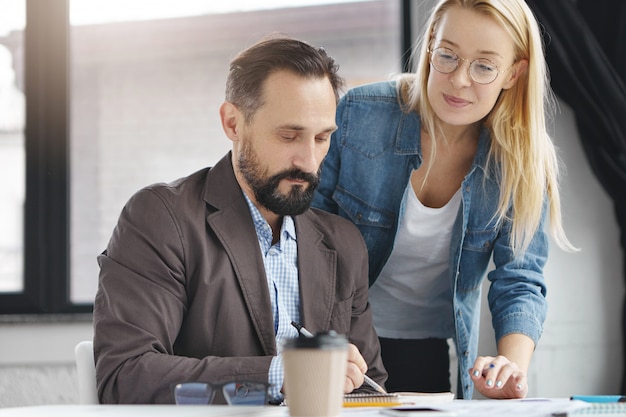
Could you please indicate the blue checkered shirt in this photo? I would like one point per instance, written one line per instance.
(281, 270)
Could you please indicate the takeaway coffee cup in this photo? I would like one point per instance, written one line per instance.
(315, 372)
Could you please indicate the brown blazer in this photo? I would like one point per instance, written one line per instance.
(183, 296)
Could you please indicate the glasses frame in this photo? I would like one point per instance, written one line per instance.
(210, 389)
(469, 67)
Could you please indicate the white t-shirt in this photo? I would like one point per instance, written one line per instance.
(412, 298)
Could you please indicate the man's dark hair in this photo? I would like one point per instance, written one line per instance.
(250, 69)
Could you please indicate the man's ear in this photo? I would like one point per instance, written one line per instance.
(231, 119)
(514, 73)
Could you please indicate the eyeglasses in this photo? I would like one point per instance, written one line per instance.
(481, 71)
(235, 393)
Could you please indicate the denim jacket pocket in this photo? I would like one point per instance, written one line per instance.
(373, 223)
(367, 135)
(361, 213)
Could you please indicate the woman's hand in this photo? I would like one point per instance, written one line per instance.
(498, 377)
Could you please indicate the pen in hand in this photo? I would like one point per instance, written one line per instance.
(369, 381)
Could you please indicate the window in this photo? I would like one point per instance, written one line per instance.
(132, 98)
(12, 152)
(44, 280)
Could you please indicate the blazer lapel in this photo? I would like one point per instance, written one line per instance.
(233, 226)
(317, 275)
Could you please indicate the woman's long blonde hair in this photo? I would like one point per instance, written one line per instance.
(520, 143)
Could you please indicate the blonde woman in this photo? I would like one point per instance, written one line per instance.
(443, 170)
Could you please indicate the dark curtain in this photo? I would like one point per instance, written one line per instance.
(586, 53)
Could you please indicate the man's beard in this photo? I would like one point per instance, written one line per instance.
(266, 191)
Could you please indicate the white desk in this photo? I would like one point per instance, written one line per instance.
(476, 408)
(142, 411)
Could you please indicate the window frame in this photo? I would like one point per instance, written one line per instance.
(47, 277)
(46, 209)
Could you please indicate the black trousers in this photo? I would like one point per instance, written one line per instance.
(416, 365)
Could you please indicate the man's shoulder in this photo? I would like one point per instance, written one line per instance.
(191, 181)
(183, 191)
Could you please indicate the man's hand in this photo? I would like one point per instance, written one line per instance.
(356, 369)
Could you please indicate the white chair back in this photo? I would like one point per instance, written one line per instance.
(86, 367)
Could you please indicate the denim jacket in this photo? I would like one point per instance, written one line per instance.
(364, 177)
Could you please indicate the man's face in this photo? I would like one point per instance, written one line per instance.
(279, 151)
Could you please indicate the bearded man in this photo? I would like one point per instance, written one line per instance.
(202, 277)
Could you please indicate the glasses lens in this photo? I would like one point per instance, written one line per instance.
(193, 393)
(483, 71)
(245, 393)
(444, 60)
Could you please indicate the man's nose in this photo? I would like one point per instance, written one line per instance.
(309, 156)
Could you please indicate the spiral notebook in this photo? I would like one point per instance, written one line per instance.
(613, 409)
(395, 399)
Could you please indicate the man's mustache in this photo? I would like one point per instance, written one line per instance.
(296, 174)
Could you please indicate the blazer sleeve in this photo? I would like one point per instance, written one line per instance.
(352, 313)
(362, 333)
(140, 306)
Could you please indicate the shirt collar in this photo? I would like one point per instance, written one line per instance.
(263, 229)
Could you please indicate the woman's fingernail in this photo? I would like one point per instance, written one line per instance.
(491, 365)
(476, 372)
(519, 387)
(498, 384)
(489, 382)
